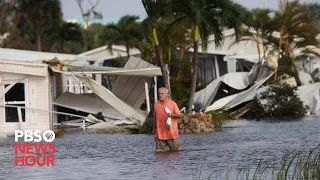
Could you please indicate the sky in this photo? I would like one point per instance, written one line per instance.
(119, 8)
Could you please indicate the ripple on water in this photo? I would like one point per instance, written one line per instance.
(132, 156)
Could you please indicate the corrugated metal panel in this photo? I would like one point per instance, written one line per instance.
(130, 89)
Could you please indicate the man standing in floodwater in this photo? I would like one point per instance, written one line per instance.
(166, 132)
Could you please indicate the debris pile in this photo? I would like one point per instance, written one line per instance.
(197, 123)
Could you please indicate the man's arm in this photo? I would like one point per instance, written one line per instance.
(174, 115)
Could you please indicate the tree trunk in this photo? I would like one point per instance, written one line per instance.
(181, 57)
(128, 51)
(280, 44)
(86, 36)
(195, 68)
(264, 51)
(38, 41)
(53, 47)
(258, 46)
(165, 75)
(194, 77)
(163, 69)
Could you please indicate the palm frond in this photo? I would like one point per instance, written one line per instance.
(210, 16)
(125, 20)
(314, 12)
(178, 26)
(109, 45)
(146, 29)
(244, 39)
(114, 27)
(158, 10)
(311, 50)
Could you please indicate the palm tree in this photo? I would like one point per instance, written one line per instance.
(297, 30)
(98, 35)
(178, 38)
(126, 32)
(258, 28)
(157, 12)
(60, 36)
(206, 17)
(9, 34)
(314, 10)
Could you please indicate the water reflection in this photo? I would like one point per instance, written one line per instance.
(133, 157)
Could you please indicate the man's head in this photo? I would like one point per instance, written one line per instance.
(163, 93)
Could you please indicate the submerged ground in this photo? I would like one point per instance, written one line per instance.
(84, 156)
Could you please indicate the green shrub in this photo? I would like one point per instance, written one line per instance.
(277, 101)
(146, 128)
(220, 117)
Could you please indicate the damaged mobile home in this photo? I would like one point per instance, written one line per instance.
(230, 79)
(233, 91)
(235, 88)
(37, 93)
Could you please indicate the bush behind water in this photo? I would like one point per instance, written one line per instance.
(277, 101)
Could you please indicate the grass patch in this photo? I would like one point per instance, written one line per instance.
(293, 165)
(220, 117)
(59, 133)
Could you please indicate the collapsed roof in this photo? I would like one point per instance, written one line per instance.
(125, 98)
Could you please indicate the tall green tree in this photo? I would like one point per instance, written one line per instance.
(258, 27)
(178, 39)
(297, 30)
(36, 16)
(97, 35)
(157, 13)
(9, 36)
(59, 38)
(314, 10)
(207, 17)
(126, 32)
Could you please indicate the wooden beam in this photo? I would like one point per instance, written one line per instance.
(10, 86)
(20, 117)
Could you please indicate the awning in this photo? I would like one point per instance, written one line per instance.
(148, 72)
(134, 67)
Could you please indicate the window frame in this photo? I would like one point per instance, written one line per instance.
(16, 103)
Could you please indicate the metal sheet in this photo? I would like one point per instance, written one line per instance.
(112, 100)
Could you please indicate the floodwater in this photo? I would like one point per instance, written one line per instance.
(87, 156)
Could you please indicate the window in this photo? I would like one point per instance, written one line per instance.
(15, 97)
(75, 85)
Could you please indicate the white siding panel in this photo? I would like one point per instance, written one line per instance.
(38, 98)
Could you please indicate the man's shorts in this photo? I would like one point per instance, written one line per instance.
(173, 144)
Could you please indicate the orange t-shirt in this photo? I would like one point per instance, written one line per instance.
(162, 132)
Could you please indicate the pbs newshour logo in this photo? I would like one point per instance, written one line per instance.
(37, 148)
